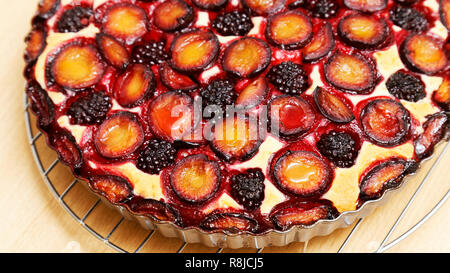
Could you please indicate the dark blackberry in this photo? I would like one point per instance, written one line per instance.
(74, 19)
(323, 8)
(157, 155)
(150, 53)
(297, 4)
(338, 147)
(408, 19)
(233, 23)
(219, 93)
(248, 188)
(289, 78)
(90, 109)
(405, 86)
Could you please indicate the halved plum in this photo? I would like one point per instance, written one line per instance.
(383, 176)
(119, 135)
(444, 11)
(174, 80)
(303, 213)
(35, 43)
(352, 73)
(442, 95)
(289, 30)
(302, 173)
(171, 115)
(41, 104)
(235, 138)
(194, 51)
(230, 222)
(195, 178)
(125, 21)
(114, 52)
(363, 31)
(47, 8)
(366, 5)
(173, 15)
(321, 44)
(424, 54)
(253, 94)
(134, 85)
(434, 129)
(114, 188)
(246, 57)
(332, 106)
(68, 151)
(264, 7)
(76, 65)
(213, 5)
(385, 122)
(157, 210)
(290, 116)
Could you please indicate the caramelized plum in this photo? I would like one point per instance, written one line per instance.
(366, 5)
(194, 51)
(119, 135)
(76, 66)
(303, 213)
(195, 178)
(264, 7)
(36, 41)
(434, 129)
(444, 11)
(246, 57)
(302, 173)
(68, 151)
(47, 8)
(424, 54)
(291, 116)
(157, 210)
(442, 95)
(134, 85)
(235, 138)
(332, 106)
(173, 15)
(114, 188)
(289, 30)
(230, 222)
(174, 80)
(363, 31)
(41, 104)
(353, 73)
(253, 94)
(321, 44)
(383, 176)
(210, 4)
(113, 51)
(171, 115)
(125, 21)
(385, 122)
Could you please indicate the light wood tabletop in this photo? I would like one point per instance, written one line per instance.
(32, 220)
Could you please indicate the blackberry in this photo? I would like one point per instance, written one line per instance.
(338, 147)
(297, 4)
(74, 19)
(248, 188)
(323, 8)
(408, 18)
(157, 155)
(90, 109)
(220, 93)
(405, 86)
(233, 23)
(288, 78)
(150, 53)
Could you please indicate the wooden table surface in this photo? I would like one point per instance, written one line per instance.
(33, 221)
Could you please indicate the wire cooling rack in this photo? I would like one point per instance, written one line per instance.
(46, 168)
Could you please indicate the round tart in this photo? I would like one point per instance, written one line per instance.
(240, 116)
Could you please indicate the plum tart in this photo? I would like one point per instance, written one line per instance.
(240, 116)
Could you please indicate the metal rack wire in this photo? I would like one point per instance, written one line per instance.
(32, 138)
